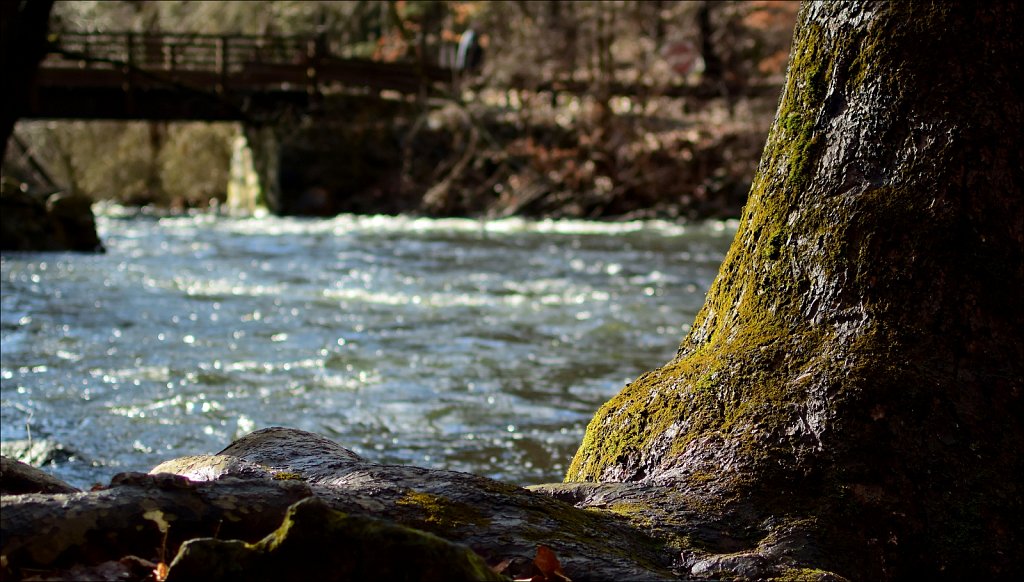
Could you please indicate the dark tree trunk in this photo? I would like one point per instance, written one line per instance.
(713, 70)
(23, 26)
(858, 362)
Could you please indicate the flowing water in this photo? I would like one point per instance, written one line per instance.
(474, 346)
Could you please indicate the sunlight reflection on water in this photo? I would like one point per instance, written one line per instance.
(468, 345)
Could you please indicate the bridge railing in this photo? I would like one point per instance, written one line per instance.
(225, 54)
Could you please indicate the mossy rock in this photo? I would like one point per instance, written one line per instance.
(316, 542)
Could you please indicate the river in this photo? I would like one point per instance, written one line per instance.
(473, 346)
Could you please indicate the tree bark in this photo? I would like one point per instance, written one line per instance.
(713, 69)
(23, 26)
(858, 361)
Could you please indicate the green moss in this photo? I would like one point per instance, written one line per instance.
(316, 542)
(807, 575)
(574, 527)
(731, 378)
(724, 393)
(591, 526)
(637, 513)
(809, 77)
(286, 476)
(499, 488)
(572, 523)
(701, 476)
(773, 247)
(441, 514)
(858, 72)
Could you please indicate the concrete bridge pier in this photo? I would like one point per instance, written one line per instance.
(254, 183)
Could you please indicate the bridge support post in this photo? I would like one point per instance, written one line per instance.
(254, 181)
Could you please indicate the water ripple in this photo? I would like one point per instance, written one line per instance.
(480, 346)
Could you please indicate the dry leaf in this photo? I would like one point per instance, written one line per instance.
(161, 572)
(547, 562)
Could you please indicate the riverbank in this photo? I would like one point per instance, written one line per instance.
(492, 154)
(538, 155)
(625, 158)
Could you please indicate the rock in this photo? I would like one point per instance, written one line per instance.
(316, 542)
(23, 221)
(61, 222)
(17, 478)
(39, 452)
(210, 468)
(498, 520)
(73, 220)
(147, 516)
(597, 531)
(125, 569)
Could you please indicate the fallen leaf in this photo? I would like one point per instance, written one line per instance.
(547, 562)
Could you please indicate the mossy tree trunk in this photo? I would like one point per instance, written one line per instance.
(859, 359)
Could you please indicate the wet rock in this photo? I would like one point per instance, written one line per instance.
(17, 478)
(499, 521)
(285, 447)
(125, 569)
(316, 542)
(210, 467)
(60, 222)
(39, 452)
(142, 515)
(365, 512)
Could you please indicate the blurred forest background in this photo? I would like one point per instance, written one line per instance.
(623, 142)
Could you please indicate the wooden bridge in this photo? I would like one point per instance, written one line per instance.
(176, 77)
(184, 76)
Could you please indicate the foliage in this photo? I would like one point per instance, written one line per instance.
(616, 145)
(171, 165)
